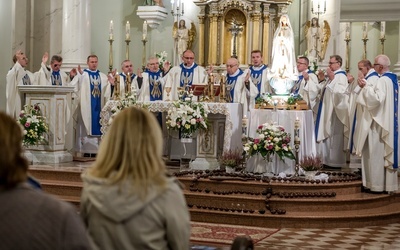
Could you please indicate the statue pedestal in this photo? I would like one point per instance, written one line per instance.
(154, 15)
(55, 104)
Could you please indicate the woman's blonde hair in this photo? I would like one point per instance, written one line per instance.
(132, 151)
(13, 167)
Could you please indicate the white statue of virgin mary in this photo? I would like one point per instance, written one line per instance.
(283, 71)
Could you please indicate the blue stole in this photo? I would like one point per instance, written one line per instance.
(124, 77)
(296, 89)
(56, 78)
(230, 86)
(256, 77)
(26, 80)
(186, 75)
(353, 126)
(393, 77)
(155, 85)
(320, 107)
(95, 100)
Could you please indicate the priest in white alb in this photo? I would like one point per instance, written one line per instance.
(376, 134)
(184, 76)
(17, 75)
(53, 74)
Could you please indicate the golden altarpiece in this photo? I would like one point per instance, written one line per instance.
(236, 27)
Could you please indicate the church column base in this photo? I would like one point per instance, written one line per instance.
(53, 157)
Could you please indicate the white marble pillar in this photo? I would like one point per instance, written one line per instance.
(396, 68)
(56, 22)
(76, 28)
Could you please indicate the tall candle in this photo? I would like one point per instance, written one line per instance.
(365, 30)
(144, 30)
(111, 34)
(383, 26)
(128, 30)
(347, 30)
(245, 121)
(297, 130)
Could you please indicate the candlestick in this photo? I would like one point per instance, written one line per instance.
(128, 30)
(245, 123)
(383, 26)
(365, 30)
(347, 30)
(144, 30)
(111, 34)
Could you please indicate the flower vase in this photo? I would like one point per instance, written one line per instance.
(186, 158)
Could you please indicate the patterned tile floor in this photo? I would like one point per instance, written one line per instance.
(368, 238)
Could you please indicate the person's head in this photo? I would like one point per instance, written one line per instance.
(314, 22)
(284, 20)
(153, 64)
(56, 62)
(188, 58)
(242, 242)
(256, 58)
(364, 66)
(21, 58)
(13, 167)
(335, 62)
(302, 63)
(232, 65)
(182, 24)
(136, 156)
(92, 62)
(127, 67)
(381, 64)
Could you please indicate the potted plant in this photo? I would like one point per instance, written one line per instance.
(311, 165)
(230, 160)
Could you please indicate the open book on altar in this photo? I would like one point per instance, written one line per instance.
(200, 89)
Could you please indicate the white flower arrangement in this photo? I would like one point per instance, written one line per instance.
(128, 101)
(34, 125)
(162, 58)
(187, 116)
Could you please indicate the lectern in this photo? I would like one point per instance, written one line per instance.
(56, 105)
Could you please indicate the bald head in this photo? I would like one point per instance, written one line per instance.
(232, 65)
(381, 64)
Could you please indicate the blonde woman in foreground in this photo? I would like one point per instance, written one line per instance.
(128, 202)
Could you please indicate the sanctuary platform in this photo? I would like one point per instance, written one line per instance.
(254, 200)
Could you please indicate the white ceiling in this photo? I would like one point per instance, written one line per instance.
(369, 10)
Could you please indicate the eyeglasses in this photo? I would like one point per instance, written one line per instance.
(377, 64)
(56, 65)
(301, 63)
(330, 63)
(231, 66)
(188, 58)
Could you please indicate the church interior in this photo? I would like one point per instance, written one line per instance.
(277, 212)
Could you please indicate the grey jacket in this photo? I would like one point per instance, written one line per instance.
(31, 219)
(117, 219)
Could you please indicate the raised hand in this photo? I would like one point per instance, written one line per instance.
(45, 57)
(79, 69)
(139, 72)
(167, 66)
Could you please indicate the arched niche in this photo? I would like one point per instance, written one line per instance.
(234, 19)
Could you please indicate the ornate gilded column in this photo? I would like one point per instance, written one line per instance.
(266, 31)
(212, 53)
(219, 40)
(255, 19)
(212, 42)
(200, 57)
